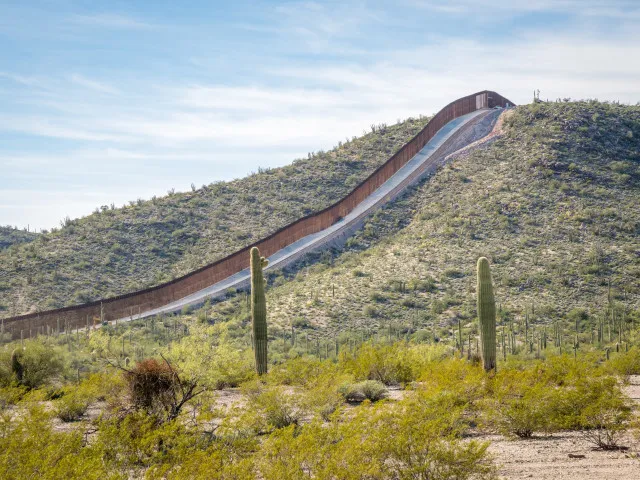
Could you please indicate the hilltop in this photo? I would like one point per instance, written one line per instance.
(363, 339)
(12, 236)
(553, 203)
(120, 250)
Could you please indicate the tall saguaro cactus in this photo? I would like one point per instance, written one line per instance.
(259, 310)
(486, 315)
(16, 365)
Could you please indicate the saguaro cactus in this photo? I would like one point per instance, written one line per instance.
(259, 310)
(486, 315)
(16, 365)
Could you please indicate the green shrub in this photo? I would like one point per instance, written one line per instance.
(30, 448)
(407, 441)
(605, 412)
(39, 363)
(303, 371)
(370, 311)
(324, 399)
(627, 363)
(11, 395)
(522, 406)
(273, 406)
(71, 407)
(389, 364)
(371, 390)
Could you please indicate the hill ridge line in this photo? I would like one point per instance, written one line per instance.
(126, 305)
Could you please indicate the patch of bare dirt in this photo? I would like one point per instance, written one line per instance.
(632, 389)
(566, 456)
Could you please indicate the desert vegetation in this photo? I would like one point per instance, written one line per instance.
(496, 302)
(373, 409)
(122, 249)
(13, 236)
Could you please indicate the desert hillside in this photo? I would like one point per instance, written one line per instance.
(120, 250)
(373, 366)
(12, 236)
(552, 202)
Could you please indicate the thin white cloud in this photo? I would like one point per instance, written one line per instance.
(92, 84)
(110, 20)
(332, 101)
(61, 128)
(627, 9)
(200, 130)
(320, 25)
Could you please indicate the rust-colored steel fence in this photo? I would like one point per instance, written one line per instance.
(85, 315)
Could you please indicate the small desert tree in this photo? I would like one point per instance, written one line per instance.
(157, 388)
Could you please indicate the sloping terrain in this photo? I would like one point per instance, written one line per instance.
(12, 236)
(118, 250)
(453, 136)
(553, 202)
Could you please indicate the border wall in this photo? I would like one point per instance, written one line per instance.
(122, 306)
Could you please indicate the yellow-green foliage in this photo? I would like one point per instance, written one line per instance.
(228, 460)
(627, 363)
(302, 371)
(293, 423)
(371, 390)
(389, 364)
(522, 404)
(39, 363)
(207, 354)
(316, 383)
(272, 407)
(72, 406)
(558, 394)
(10, 395)
(404, 441)
(74, 400)
(454, 381)
(30, 448)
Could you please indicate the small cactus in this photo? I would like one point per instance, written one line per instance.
(16, 366)
(259, 310)
(486, 315)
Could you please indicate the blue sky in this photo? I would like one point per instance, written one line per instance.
(105, 102)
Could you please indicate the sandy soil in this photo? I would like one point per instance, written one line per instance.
(540, 457)
(548, 458)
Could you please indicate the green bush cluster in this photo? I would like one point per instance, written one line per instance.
(294, 422)
(559, 394)
(371, 390)
(31, 366)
